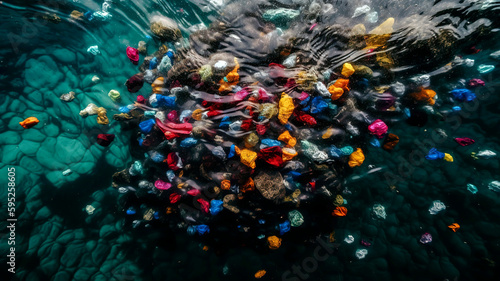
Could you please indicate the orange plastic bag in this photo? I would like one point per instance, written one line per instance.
(29, 122)
(225, 185)
(231, 79)
(340, 212)
(425, 95)
(356, 158)
(274, 242)
(287, 138)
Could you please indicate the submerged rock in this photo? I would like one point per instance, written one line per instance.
(165, 28)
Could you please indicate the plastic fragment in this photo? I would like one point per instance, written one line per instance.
(361, 10)
(339, 211)
(29, 122)
(463, 95)
(274, 242)
(105, 139)
(284, 227)
(91, 109)
(349, 239)
(259, 274)
(426, 238)
(454, 227)
(68, 96)
(67, 172)
(356, 158)
(472, 188)
(436, 207)
(390, 141)
(378, 128)
(286, 108)
(94, 50)
(133, 54)
(434, 154)
(347, 70)
(464, 141)
(296, 218)
(89, 209)
(448, 157)
(361, 253)
(485, 68)
(379, 211)
(280, 16)
(114, 95)
(494, 186)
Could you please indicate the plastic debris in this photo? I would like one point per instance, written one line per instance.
(105, 139)
(485, 154)
(296, 218)
(436, 207)
(472, 188)
(133, 55)
(280, 16)
(371, 17)
(378, 128)
(463, 95)
(339, 211)
(135, 83)
(464, 141)
(361, 253)
(259, 274)
(89, 209)
(274, 242)
(349, 239)
(426, 238)
(494, 186)
(29, 122)
(390, 141)
(347, 70)
(67, 172)
(361, 11)
(356, 158)
(379, 211)
(94, 50)
(68, 96)
(484, 68)
(454, 227)
(434, 154)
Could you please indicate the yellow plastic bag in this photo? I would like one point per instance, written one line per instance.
(286, 108)
(347, 70)
(248, 158)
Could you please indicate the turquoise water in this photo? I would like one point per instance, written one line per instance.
(44, 54)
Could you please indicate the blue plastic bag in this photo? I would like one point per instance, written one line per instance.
(215, 206)
(284, 227)
(434, 154)
(147, 126)
(463, 95)
(318, 105)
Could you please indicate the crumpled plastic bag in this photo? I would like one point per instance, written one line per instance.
(356, 158)
(286, 108)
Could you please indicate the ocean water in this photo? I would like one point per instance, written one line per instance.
(66, 217)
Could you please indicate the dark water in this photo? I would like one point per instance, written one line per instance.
(43, 54)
